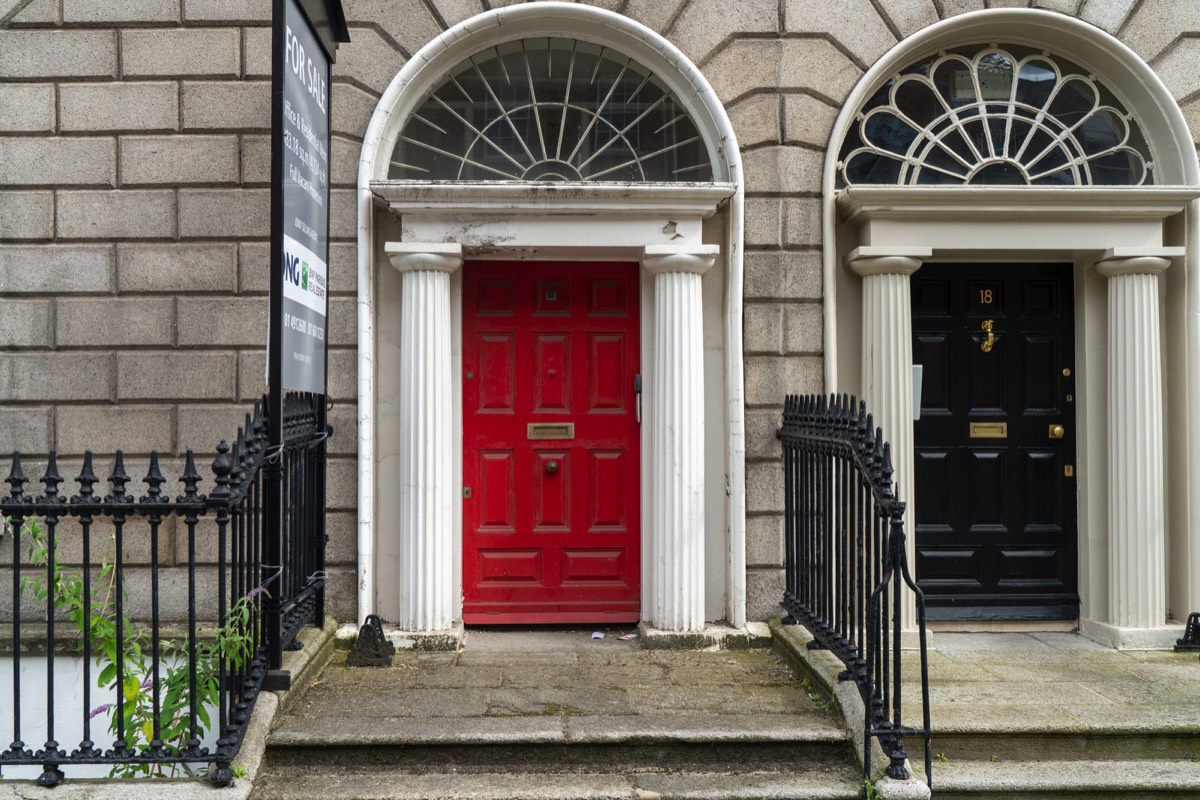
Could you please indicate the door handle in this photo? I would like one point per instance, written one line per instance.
(986, 346)
(637, 397)
(551, 467)
(1057, 431)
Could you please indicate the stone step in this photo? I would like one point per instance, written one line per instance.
(1142, 779)
(1007, 741)
(834, 783)
(729, 757)
(734, 756)
(322, 731)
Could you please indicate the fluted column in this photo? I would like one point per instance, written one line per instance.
(426, 442)
(676, 540)
(887, 385)
(1137, 592)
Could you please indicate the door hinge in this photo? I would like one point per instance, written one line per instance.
(637, 397)
(1069, 471)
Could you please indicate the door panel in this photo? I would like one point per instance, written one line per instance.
(551, 519)
(996, 509)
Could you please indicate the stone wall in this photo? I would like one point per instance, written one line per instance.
(134, 202)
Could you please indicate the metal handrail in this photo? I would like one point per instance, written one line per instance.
(844, 546)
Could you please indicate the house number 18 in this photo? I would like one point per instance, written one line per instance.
(985, 296)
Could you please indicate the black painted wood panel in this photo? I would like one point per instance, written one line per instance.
(996, 534)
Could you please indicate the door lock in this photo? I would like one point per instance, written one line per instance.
(986, 346)
(1057, 431)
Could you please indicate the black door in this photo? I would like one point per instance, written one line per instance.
(995, 444)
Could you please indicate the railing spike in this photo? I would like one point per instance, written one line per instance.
(887, 471)
(237, 456)
(190, 479)
(16, 479)
(87, 479)
(51, 480)
(118, 479)
(221, 468)
(154, 480)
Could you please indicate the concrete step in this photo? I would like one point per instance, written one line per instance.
(733, 757)
(394, 784)
(1017, 739)
(1142, 779)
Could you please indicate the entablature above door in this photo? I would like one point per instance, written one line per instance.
(960, 222)
(552, 220)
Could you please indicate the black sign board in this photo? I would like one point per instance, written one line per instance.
(304, 41)
(300, 192)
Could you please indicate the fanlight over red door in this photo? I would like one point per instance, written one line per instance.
(551, 521)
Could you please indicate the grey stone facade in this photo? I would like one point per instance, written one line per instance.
(134, 204)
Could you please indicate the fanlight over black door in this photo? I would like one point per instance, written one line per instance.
(995, 443)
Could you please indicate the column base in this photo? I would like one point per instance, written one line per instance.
(713, 636)
(449, 640)
(1158, 638)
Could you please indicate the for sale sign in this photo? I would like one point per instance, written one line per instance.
(302, 140)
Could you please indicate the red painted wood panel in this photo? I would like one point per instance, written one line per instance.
(551, 527)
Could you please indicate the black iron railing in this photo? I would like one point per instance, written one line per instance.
(175, 609)
(847, 572)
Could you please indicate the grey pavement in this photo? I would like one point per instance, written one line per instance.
(1056, 683)
(564, 680)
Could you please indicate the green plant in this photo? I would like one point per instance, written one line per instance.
(870, 791)
(941, 757)
(93, 613)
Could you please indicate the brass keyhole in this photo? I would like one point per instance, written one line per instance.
(986, 346)
(551, 467)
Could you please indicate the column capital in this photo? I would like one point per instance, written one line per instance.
(887, 260)
(1137, 260)
(693, 258)
(424, 256)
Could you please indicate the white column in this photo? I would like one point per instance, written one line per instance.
(1137, 593)
(887, 385)
(676, 540)
(426, 444)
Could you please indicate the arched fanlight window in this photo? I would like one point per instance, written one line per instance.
(995, 115)
(550, 109)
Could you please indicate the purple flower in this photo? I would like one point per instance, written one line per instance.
(146, 684)
(255, 592)
(100, 709)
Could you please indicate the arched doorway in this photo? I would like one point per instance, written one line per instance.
(1119, 213)
(466, 168)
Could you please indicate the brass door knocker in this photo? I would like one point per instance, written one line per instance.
(991, 339)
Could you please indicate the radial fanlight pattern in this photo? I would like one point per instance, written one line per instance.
(999, 115)
(550, 109)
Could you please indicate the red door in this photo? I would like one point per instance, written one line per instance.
(551, 521)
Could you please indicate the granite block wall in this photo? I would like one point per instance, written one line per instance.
(134, 202)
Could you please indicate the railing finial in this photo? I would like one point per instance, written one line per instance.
(118, 480)
(87, 480)
(154, 480)
(51, 480)
(221, 468)
(16, 479)
(190, 479)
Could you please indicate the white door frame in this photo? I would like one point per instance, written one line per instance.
(541, 224)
